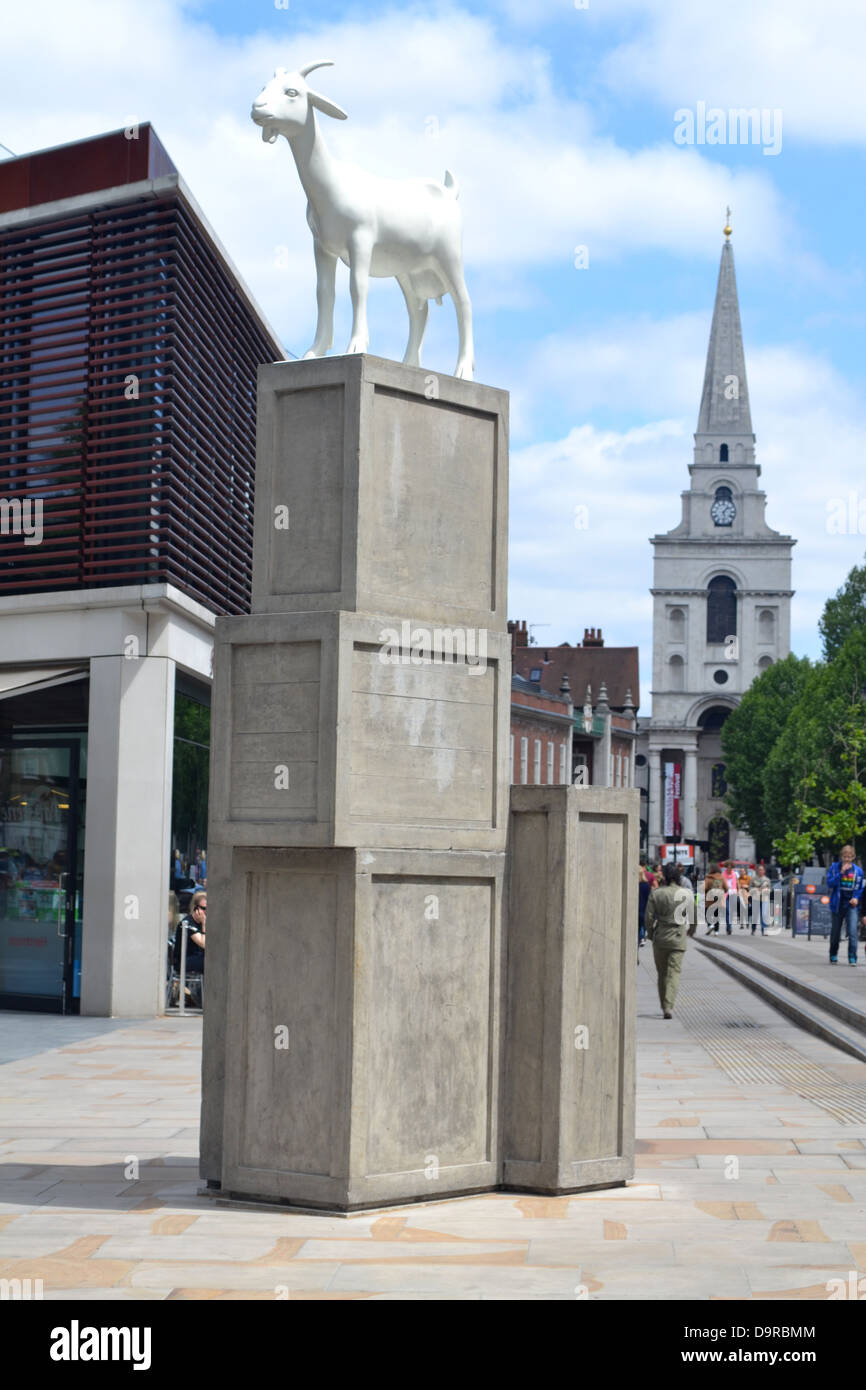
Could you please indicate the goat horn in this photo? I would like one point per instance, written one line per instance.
(311, 67)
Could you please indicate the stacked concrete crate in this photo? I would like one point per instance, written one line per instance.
(568, 1097)
(359, 797)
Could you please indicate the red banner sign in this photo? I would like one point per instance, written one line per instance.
(673, 785)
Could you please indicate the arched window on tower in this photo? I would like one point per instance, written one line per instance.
(723, 453)
(714, 717)
(766, 626)
(718, 784)
(676, 668)
(721, 609)
(677, 625)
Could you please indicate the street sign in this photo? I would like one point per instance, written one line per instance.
(677, 853)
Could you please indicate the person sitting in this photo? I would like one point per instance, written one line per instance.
(193, 926)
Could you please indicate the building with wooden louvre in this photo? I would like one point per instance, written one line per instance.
(129, 348)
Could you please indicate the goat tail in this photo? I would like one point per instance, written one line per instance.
(451, 184)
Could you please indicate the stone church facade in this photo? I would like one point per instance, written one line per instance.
(721, 603)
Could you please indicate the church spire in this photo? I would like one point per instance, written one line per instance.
(725, 397)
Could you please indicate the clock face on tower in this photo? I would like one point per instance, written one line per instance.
(723, 511)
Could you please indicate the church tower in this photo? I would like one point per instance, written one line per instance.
(721, 600)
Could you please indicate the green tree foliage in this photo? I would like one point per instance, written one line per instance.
(796, 745)
(844, 613)
(748, 737)
(815, 798)
(190, 782)
(794, 757)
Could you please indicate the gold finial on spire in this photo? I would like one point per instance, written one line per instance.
(728, 229)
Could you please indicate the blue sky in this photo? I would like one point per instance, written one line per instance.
(558, 123)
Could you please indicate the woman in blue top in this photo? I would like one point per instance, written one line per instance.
(845, 881)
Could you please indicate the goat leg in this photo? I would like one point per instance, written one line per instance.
(360, 256)
(417, 321)
(326, 270)
(452, 269)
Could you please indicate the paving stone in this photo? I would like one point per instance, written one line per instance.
(792, 1219)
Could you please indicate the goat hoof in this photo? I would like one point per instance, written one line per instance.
(464, 370)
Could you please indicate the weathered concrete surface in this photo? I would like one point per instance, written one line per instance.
(359, 812)
(568, 1095)
(327, 732)
(361, 1026)
(359, 797)
(396, 485)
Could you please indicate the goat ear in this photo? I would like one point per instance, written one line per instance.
(328, 108)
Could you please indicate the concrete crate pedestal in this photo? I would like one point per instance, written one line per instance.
(359, 797)
(569, 1076)
(354, 1030)
(337, 730)
(380, 489)
(363, 1025)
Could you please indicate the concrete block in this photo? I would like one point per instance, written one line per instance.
(571, 941)
(326, 734)
(353, 1059)
(380, 488)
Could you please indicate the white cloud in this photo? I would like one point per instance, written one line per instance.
(536, 178)
(803, 58)
(811, 440)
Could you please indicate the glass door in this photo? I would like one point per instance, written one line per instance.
(40, 898)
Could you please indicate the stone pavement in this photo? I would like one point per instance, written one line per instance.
(750, 1180)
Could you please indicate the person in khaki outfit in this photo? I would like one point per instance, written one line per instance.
(670, 918)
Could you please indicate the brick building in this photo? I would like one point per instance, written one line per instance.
(602, 681)
(541, 734)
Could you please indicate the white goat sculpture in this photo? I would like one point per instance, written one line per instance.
(409, 228)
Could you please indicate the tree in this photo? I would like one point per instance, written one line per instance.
(748, 736)
(844, 613)
(793, 760)
(189, 800)
(815, 799)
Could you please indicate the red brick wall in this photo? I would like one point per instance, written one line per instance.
(524, 726)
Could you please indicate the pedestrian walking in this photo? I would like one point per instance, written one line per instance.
(732, 901)
(744, 894)
(714, 899)
(761, 889)
(670, 918)
(845, 881)
(645, 884)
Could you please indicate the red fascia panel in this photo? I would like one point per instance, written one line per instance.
(87, 166)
